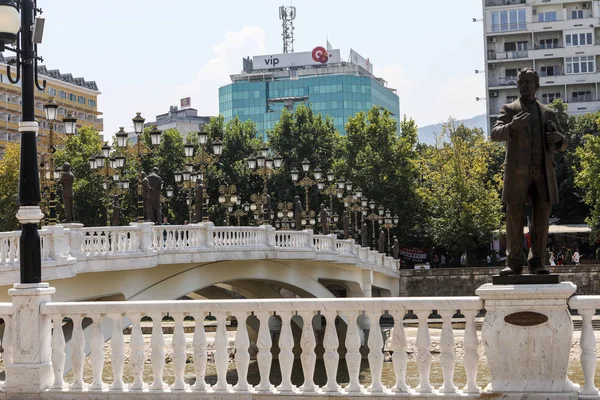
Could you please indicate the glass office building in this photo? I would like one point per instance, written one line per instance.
(339, 91)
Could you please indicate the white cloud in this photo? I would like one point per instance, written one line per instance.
(227, 59)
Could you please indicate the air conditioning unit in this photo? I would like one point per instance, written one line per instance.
(491, 40)
(492, 66)
(493, 93)
(586, 6)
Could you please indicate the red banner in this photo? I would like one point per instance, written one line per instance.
(415, 254)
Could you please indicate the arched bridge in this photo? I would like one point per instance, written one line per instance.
(200, 261)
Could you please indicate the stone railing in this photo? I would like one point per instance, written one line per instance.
(275, 318)
(586, 306)
(527, 335)
(143, 245)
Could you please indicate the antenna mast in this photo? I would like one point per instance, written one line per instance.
(287, 15)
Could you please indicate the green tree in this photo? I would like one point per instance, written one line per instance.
(89, 206)
(571, 208)
(462, 202)
(9, 186)
(383, 163)
(302, 135)
(586, 178)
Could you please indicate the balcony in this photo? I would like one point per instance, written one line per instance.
(503, 81)
(583, 105)
(563, 24)
(508, 55)
(569, 79)
(506, 29)
(498, 3)
(562, 52)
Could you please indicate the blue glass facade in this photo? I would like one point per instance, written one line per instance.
(339, 96)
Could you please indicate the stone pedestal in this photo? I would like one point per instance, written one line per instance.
(527, 335)
(31, 369)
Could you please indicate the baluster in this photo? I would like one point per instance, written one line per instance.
(399, 358)
(423, 353)
(14, 254)
(353, 356)
(179, 357)
(308, 357)
(78, 355)
(3, 251)
(375, 343)
(242, 356)
(447, 358)
(199, 344)
(137, 353)
(157, 344)
(97, 356)
(58, 350)
(331, 356)
(588, 355)
(7, 356)
(471, 356)
(117, 344)
(286, 355)
(264, 356)
(221, 354)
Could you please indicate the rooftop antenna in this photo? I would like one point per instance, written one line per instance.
(287, 15)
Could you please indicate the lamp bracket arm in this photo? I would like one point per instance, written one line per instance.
(17, 62)
(41, 87)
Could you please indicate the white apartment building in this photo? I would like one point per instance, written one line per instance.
(560, 39)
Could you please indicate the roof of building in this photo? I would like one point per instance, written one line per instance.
(55, 73)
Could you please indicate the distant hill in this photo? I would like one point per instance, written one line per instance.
(427, 133)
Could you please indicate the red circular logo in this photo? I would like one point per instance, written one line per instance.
(319, 54)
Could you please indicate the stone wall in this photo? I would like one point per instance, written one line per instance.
(464, 281)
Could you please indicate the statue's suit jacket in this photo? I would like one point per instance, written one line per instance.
(518, 153)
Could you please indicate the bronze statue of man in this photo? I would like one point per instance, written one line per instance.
(364, 234)
(155, 183)
(346, 223)
(66, 180)
(532, 135)
(324, 218)
(145, 195)
(396, 248)
(298, 213)
(381, 241)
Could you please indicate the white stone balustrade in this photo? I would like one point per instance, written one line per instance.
(295, 311)
(586, 306)
(34, 354)
(71, 249)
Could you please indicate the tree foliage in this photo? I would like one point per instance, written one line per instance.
(462, 200)
(383, 163)
(303, 135)
(9, 186)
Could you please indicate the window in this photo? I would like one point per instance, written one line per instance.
(585, 95)
(548, 98)
(515, 46)
(548, 43)
(62, 94)
(580, 65)
(72, 97)
(52, 91)
(576, 14)
(91, 103)
(510, 99)
(547, 16)
(81, 99)
(511, 73)
(578, 39)
(549, 70)
(509, 20)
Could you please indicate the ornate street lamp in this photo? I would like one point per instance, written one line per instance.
(264, 165)
(70, 124)
(17, 29)
(50, 109)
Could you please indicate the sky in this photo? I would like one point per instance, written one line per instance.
(146, 55)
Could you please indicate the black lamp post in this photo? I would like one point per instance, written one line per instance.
(18, 18)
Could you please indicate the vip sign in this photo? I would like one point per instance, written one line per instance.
(319, 56)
